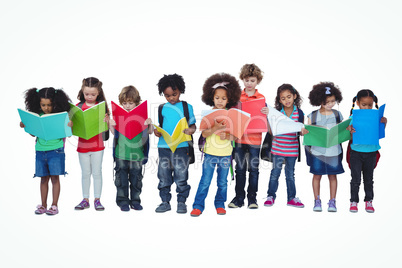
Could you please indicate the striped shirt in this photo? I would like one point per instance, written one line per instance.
(287, 144)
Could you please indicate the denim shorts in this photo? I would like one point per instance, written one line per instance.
(50, 163)
(324, 165)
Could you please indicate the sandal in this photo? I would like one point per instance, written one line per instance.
(53, 210)
(40, 210)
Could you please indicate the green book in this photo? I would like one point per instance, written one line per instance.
(88, 123)
(324, 137)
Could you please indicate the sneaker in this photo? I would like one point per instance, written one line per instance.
(125, 207)
(331, 205)
(136, 206)
(353, 207)
(369, 207)
(236, 203)
(98, 205)
(221, 211)
(40, 210)
(163, 207)
(317, 205)
(295, 202)
(83, 205)
(270, 201)
(196, 212)
(252, 204)
(52, 211)
(181, 208)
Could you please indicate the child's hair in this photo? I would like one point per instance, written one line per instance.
(249, 70)
(59, 99)
(130, 93)
(223, 81)
(318, 95)
(364, 93)
(283, 87)
(92, 82)
(174, 81)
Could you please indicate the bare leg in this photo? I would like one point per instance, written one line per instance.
(316, 186)
(56, 189)
(44, 189)
(333, 186)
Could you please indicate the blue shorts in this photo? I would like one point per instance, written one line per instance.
(326, 165)
(50, 163)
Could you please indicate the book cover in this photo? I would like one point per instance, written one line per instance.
(130, 124)
(281, 124)
(236, 120)
(258, 121)
(88, 123)
(324, 137)
(48, 126)
(369, 129)
(177, 136)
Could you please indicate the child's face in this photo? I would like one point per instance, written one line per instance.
(329, 103)
(172, 96)
(90, 94)
(128, 105)
(220, 98)
(286, 98)
(46, 105)
(365, 103)
(250, 83)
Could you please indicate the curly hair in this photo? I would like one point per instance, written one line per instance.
(93, 82)
(298, 101)
(174, 81)
(251, 70)
(130, 93)
(232, 88)
(364, 93)
(318, 95)
(59, 99)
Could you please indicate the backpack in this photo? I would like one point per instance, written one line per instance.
(314, 122)
(187, 115)
(105, 134)
(265, 153)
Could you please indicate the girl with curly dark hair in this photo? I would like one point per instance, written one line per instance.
(221, 91)
(50, 157)
(325, 161)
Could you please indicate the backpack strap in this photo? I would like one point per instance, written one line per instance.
(160, 117)
(337, 116)
(185, 111)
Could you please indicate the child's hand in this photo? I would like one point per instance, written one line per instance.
(22, 125)
(265, 110)
(220, 125)
(384, 120)
(304, 131)
(351, 129)
(188, 131)
(157, 133)
(222, 135)
(112, 122)
(70, 124)
(148, 121)
(107, 118)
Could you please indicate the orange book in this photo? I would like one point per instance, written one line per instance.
(130, 124)
(236, 120)
(258, 121)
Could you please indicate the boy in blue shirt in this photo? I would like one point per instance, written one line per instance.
(173, 167)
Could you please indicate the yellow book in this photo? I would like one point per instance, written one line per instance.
(177, 136)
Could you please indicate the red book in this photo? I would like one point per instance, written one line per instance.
(258, 121)
(130, 124)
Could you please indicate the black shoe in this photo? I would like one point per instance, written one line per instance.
(236, 203)
(252, 204)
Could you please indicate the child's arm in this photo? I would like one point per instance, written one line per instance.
(217, 126)
(305, 131)
(384, 120)
(265, 110)
(190, 131)
(150, 125)
(111, 124)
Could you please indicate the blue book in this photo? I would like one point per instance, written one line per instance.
(368, 128)
(48, 126)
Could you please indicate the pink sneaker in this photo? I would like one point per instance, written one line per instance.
(369, 207)
(270, 201)
(295, 202)
(353, 207)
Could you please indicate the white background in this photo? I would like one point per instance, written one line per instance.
(355, 44)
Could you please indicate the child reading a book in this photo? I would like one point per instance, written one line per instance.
(129, 155)
(50, 157)
(363, 157)
(90, 152)
(221, 91)
(324, 161)
(286, 147)
(247, 148)
(173, 167)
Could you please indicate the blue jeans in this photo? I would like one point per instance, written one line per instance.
(128, 172)
(208, 167)
(247, 158)
(50, 163)
(277, 162)
(173, 167)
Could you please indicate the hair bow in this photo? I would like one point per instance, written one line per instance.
(328, 92)
(222, 84)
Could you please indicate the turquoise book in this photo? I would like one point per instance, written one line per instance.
(48, 126)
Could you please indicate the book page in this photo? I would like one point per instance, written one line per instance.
(177, 136)
(281, 124)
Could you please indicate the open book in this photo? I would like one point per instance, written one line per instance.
(258, 121)
(177, 136)
(282, 124)
(48, 126)
(236, 120)
(130, 124)
(88, 123)
(324, 137)
(367, 124)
